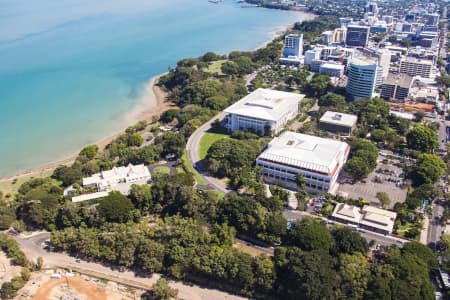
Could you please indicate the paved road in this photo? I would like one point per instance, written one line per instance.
(435, 226)
(193, 150)
(32, 248)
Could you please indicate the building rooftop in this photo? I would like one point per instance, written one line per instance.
(265, 104)
(402, 80)
(333, 66)
(357, 26)
(363, 61)
(378, 218)
(337, 118)
(367, 216)
(306, 152)
(111, 176)
(347, 212)
(417, 60)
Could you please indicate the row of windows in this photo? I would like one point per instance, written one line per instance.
(310, 185)
(321, 179)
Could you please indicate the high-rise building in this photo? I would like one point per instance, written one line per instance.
(293, 45)
(345, 21)
(371, 8)
(389, 20)
(364, 75)
(396, 87)
(357, 36)
(311, 55)
(416, 67)
(432, 19)
(410, 17)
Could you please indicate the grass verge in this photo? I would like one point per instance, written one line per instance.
(189, 168)
(207, 140)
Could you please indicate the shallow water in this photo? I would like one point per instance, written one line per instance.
(69, 69)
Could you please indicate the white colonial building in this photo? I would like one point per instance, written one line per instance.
(263, 111)
(319, 160)
(111, 179)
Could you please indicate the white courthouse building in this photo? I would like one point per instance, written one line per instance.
(111, 179)
(320, 160)
(262, 110)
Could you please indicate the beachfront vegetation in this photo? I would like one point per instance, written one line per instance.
(10, 247)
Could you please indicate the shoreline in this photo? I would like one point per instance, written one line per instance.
(151, 102)
(279, 31)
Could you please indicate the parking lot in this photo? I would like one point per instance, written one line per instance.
(385, 178)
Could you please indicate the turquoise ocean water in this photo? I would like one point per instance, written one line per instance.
(70, 68)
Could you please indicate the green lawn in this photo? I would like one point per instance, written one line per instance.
(402, 229)
(180, 170)
(215, 67)
(207, 140)
(191, 169)
(161, 170)
(10, 187)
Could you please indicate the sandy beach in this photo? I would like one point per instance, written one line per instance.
(151, 103)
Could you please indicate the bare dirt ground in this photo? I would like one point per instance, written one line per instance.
(42, 287)
(7, 270)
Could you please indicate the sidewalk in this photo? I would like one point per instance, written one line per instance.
(424, 232)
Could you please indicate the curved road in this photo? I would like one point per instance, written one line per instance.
(193, 151)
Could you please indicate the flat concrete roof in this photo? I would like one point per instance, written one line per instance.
(265, 104)
(306, 151)
(337, 118)
(402, 80)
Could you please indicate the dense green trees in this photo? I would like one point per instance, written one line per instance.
(172, 143)
(254, 217)
(422, 192)
(428, 169)
(37, 202)
(181, 247)
(363, 160)
(393, 280)
(10, 247)
(313, 28)
(354, 270)
(332, 101)
(348, 241)
(7, 214)
(309, 235)
(422, 138)
(227, 156)
(115, 208)
(318, 85)
(162, 291)
(304, 274)
(89, 152)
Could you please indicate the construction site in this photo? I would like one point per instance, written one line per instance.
(66, 285)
